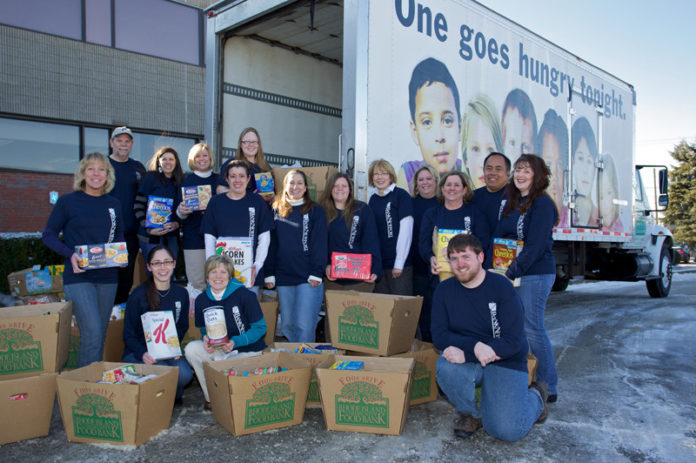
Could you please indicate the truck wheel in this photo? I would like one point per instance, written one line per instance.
(660, 287)
(561, 284)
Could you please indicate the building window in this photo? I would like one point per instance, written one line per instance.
(96, 140)
(145, 145)
(57, 17)
(98, 22)
(39, 146)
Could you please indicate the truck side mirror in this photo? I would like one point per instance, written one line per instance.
(663, 199)
(664, 184)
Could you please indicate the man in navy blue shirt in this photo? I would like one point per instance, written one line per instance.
(496, 173)
(478, 324)
(128, 174)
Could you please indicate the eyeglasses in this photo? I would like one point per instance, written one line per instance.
(160, 264)
(250, 142)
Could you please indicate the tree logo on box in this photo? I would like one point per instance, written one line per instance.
(357, 326)
(19, 353)
(361, 404)
(73, 352)
(94, 417)
(421, 381)
(271, 403)
(313, 393)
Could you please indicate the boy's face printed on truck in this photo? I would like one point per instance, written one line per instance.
(479, 144)
(552, 155)
(583, 168)
(436, 128)
(518, 134)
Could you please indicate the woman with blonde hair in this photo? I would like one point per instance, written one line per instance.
(249, 149)
(481, 136)
(298, 258)
(201, 161)
(88, 215)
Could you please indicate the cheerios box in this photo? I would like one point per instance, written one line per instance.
(34, 339)
(254, 403)
(121, 414)
(373, 399)
(29, 403)
(102, 255)
(378, 324)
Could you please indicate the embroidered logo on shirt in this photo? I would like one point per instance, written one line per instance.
(502, 206)
(305, 232)
(252, 223)
(388, 218)
(467, 225)
(112, 230)
(353, 231)
(495, 326)
(520, 227)
(238, 319)
(177, 312)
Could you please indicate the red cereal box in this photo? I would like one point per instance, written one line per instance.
(351, 266)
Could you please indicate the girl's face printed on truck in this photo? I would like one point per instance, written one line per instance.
(583, 168)
(479, 144)
(551, 153)
(518, 134)
(436, 128)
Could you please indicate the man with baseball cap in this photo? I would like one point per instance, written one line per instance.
(128, 173)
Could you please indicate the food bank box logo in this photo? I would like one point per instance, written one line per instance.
(94, 417)
(360, 403)
(271, 403)
(357, 326)
(421, 381)
(73, 352)
(19, 353)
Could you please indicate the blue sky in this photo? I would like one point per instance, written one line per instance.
(647, 44)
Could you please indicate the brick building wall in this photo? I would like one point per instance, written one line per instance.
(24, 197)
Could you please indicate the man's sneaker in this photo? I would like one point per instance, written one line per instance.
(543, 389)
(552, 398)
(466, 425)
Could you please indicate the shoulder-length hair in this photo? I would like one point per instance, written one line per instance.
(260, 159)
(328, 204)
(466, 181)
(540, 183)
(79, 178)
(282, 203)
(153, 165)
(483, 108)
(414, 179)
(383, 165)
(195, 151)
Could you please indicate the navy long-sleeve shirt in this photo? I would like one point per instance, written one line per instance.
(128, 176)
(491, 313)
(389, 210)
(489, 204)
(535, 228)
(191, 225)
(420, 205)
(175, 301)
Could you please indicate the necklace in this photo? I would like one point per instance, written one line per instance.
(165, 294)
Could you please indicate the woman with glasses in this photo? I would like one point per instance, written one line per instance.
(157, 294)
(249, 149)
(393, 212)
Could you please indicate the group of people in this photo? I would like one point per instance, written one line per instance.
(293, 236)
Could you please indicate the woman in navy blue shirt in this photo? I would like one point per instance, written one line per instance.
(162, 180)
(201, 161)
(249, 149)
(529, 215)
(88, 215)
(299, 246)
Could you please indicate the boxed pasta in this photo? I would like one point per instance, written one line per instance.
(102, 255)
(196, 198)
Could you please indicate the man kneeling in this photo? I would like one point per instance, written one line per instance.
(478, 324)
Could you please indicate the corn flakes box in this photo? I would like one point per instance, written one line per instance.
(102, 255)
(159, 211)
(239, 250)
(196, 198)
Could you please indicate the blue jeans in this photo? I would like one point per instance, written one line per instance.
(171, 242)
(92, 305)
(509, 408)
(534, 290)
(185, 371)
(299, 308)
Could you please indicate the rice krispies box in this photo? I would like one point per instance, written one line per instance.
(102, 255)
(196, 198)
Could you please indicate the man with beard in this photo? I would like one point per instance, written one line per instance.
(478, 324)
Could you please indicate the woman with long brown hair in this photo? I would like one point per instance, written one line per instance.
(250, 150)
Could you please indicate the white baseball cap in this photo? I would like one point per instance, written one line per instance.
(120, 131)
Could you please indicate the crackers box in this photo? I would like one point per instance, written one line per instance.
(374, 399)
(123, 414)
(29, 403)
(351, 266)
(196, 198)
(239, 249)
(424, 387)
(254, 403)
(33, 281)
(102, 255)
(159, 211)
(34, 339)
(379, 324)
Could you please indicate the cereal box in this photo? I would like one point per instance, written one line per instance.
(239, 250)
(351, 266)
(196, 198)
(264, 183)
(504, 252)
(444, 235)
(159, 211)
(160, 334)
(102, 255)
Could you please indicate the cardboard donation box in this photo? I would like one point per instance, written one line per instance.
(380, 324)
(317, 177)
(257, 402)
(26, 405)
(125, 414)
(374, 399)
(269, 307)
(33, 281)
(34, 339)
(113, 344)
(424, 387)
(313, 399)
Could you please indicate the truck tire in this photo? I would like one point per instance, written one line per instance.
(660, 287)
(560, 284)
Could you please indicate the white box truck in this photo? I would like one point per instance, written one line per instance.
(335, 82)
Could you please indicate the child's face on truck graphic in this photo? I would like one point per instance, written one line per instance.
(551, 152)
(583, 168)
(436, 126)
(518, 134)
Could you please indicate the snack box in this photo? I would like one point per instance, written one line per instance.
(378, 324)
(122, 414)
(196, 198)
(254, 403)
(26, 405)
(34, 339)
(32, 281)
(102, 255)
(374, 399)
(264, 183)
(351, 266)
(159, 211)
